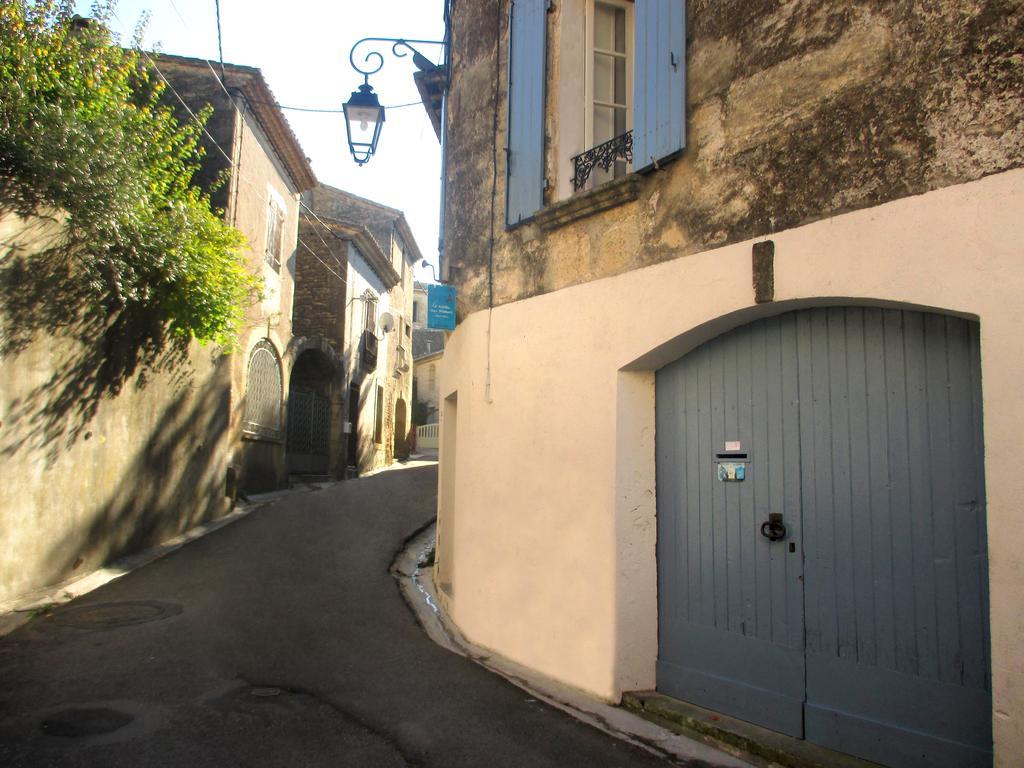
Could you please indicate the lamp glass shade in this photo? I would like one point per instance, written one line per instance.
(364, 117)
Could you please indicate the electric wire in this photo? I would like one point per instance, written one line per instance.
(234, 166)
(220, 42)
(223, 87)
(231, 162)
(236, 170)
(185, 24)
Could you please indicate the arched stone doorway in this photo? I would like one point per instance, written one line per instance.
(401, 429)
(309, 414)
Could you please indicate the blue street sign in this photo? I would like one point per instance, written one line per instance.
(441, 307)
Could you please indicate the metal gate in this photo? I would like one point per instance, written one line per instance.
(309, 420)
(822, 559)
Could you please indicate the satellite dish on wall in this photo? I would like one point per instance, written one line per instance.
(387, 322)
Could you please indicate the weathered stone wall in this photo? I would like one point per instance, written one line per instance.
(98, 460)
(258, 176)
(355, 211)
(233, 131)
(321, 265)
(200, 89)
(797, 111)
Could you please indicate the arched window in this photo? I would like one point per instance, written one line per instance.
(263, 392)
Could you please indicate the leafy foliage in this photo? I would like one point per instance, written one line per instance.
(83, 131)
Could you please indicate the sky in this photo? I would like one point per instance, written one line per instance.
(302, 47)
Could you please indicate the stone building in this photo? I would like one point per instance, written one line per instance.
(250, 140)
(732, 403)
(374, 338)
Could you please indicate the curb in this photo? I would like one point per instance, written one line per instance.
(416, 584)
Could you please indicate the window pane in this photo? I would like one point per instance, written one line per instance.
(620, 81)
(275, 225)
(604, 124)
(620, 121)
(370, 323)
(604, 73)
(620, 30)
(604, 27)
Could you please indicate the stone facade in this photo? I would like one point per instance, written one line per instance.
(427, 367)
(797, 111)
(321, 265)
(268, 170)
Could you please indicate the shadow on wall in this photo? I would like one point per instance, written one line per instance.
(41, 293)
(366, 455)
(174, 483)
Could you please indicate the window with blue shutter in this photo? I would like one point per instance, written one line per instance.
(526, 82)
(659, 85)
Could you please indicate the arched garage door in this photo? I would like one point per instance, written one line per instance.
(864, 626)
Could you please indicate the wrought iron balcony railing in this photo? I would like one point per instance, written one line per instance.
(602, 156)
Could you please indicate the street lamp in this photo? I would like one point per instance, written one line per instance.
(364, 114)
(364, 117)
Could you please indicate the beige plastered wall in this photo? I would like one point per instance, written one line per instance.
(549, 505)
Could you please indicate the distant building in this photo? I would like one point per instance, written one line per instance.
(425, 407)
(427, 349)
(373, 339)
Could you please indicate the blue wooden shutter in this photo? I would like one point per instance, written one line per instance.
(527, 57)
(659, 84)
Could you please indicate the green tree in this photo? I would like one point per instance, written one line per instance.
(84, 133)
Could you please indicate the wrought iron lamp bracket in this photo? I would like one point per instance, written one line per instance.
(400, 47)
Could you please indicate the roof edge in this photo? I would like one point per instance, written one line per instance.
(268, 113)
(367, 245)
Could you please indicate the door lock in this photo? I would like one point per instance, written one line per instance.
(773, 528)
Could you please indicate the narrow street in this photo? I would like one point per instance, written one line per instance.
(279, 640)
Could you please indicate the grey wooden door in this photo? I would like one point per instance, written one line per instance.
(731, 626)
(865, 628)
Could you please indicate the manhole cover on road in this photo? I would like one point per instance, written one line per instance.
(265, 693)
(79, 723)
(113, 615)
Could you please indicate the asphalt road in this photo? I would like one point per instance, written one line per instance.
(279, 640)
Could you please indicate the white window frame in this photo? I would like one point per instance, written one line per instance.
(370, 315)
(588, 65)
(273, 253)
(574, 89)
